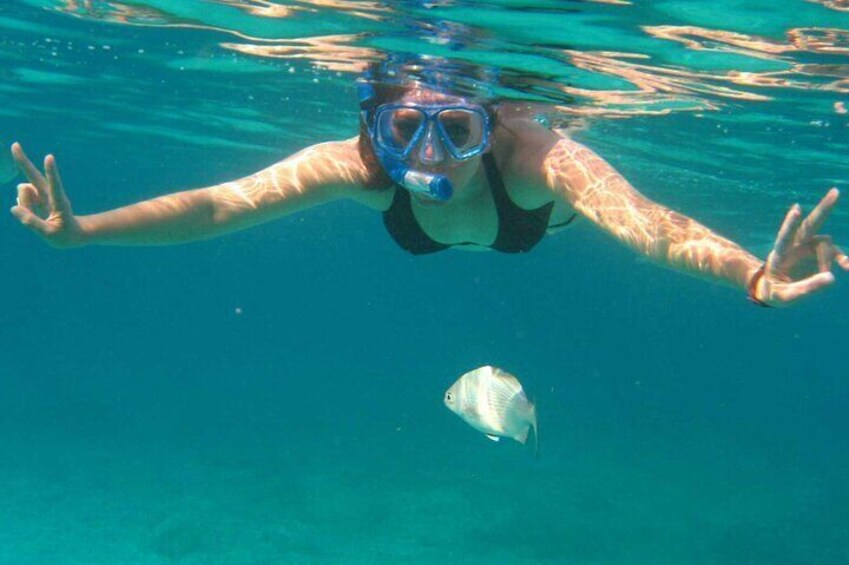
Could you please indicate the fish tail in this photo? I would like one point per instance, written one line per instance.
(536, 432)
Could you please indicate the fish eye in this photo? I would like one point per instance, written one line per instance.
(448, 396)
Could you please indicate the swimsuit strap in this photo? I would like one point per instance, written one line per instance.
(405, 229)
(519, 230)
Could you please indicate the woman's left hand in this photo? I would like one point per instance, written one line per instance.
(800, 262)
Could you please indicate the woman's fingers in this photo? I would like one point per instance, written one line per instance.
(48, 187)
(825, 252)
(27, 168)
(791, 292)
(841, 258)
(30, 220)
(28, 196)
(56, 199)
(818, 215)
(785, 238)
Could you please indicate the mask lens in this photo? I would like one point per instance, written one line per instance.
(464, 128)
(398, 127)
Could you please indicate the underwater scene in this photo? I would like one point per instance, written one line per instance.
(270, 376)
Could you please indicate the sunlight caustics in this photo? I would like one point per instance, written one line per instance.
(605, 197)
(334, 53)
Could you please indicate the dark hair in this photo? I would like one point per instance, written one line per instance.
(380, 93)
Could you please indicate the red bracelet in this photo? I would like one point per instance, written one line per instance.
(753, 287)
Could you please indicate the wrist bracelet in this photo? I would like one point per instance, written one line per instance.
(752, 292)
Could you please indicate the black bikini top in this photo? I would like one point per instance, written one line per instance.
(519, 230)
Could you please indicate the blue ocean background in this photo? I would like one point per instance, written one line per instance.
(275, 396)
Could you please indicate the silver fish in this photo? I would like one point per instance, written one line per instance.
(492, 401)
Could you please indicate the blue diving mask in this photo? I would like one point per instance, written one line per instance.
(397, 129)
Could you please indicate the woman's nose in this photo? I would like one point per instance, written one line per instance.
(431, 150)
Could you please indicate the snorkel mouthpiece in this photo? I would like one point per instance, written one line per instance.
(437, 187)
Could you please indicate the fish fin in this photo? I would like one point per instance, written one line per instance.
(506, 377)
(522, 436)
(533, 418)
(492, 437)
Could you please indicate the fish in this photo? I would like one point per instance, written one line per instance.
(8, 169)
(492, 401)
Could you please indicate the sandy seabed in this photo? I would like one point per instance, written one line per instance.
(325, 499)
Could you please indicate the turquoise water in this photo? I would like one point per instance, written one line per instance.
(275, 396)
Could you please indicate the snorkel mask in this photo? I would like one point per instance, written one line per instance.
(396, 130)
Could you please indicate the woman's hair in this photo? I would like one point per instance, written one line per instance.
(379, 93)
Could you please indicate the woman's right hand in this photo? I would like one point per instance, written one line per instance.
(42, 205)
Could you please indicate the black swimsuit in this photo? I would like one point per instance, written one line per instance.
(519, 230)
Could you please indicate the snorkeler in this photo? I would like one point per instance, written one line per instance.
(449, 171)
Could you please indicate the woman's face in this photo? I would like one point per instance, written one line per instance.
(430, 154)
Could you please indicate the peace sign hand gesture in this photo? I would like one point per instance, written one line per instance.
(800, 262)
(42, 205)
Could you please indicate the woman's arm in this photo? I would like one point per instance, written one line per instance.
(799, 264)
(316, 175)
(601, 194)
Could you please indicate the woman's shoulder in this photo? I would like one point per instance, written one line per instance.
(521, 142)
(520, 146)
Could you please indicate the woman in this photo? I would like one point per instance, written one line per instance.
(449, 171)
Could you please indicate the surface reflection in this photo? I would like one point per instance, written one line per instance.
(647, 75)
